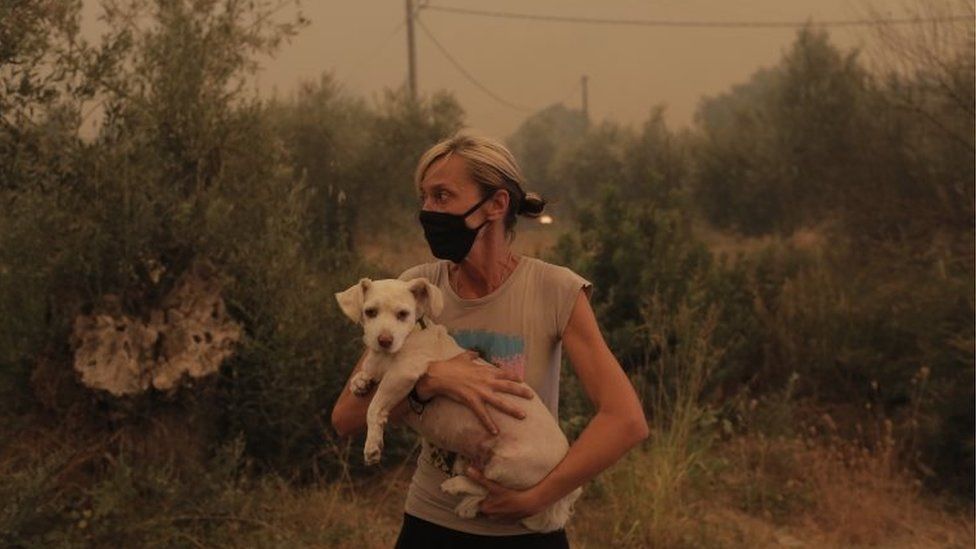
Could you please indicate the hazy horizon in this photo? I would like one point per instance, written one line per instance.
(534, 64)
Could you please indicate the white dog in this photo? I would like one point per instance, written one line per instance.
(401, 341)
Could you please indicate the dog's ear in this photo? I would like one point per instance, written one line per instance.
(430, 301)
(351, 300)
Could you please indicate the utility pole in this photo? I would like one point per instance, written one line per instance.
(586, 107)
(411, 53)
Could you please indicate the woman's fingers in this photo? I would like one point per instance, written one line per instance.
(479, 477)
(478, 385)
(506, 374)
(512, 388)
(478, 407)
(504, 406)
(466, 356)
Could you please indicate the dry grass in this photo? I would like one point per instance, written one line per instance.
(758, 492)
(342, 514)
(862, 497)
(92, 487)
(640, 502)
(818, 490)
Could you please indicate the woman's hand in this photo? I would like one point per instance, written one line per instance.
(504, 503)
(474, 385)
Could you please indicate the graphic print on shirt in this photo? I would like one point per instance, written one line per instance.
(505, 351)
(502, 350)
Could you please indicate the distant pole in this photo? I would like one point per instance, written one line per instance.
(586, 106)
(411, 53)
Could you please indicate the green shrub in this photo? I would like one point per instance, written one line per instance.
(630, 252)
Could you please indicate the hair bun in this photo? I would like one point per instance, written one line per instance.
(532, 205)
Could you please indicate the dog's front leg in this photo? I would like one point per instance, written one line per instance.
(393, 388)
(364, 379)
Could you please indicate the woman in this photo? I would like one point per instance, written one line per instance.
(518, 313)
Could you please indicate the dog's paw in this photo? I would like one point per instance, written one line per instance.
(361, 384)
(371, 453)
(454, 486)
(461, 484)
(468, 508)
(545, 521)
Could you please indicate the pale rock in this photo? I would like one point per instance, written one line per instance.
(190, 334)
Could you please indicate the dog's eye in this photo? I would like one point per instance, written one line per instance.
(370, 313)
(402, 315)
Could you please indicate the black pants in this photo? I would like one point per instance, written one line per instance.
(419, 534)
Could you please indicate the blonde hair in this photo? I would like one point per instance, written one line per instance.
(492, 166)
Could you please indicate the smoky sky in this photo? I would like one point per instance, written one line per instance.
(532, 64)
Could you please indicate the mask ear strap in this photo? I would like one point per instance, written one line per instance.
(478, 205)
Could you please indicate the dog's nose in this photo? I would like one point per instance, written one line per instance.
(385, 341)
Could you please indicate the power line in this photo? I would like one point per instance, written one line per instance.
(572, 92)
(373, 54)
(696, 24)
(468, 75)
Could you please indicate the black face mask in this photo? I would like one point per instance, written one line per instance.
(448, 236)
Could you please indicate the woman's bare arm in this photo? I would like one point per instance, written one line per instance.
(618, 425)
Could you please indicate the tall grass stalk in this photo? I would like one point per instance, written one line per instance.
(644, 497)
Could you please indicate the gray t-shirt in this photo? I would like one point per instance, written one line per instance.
(517, 327)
